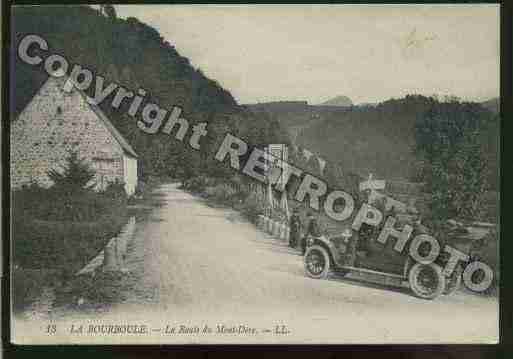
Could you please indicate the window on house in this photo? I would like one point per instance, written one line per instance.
(59, 110)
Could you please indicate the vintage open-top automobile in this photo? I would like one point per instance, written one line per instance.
(367, 259)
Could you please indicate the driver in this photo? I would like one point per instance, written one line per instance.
(295, 228)
(313, 230)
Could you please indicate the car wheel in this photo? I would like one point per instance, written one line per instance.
(453, 282)
(317, 262)
(426, 280)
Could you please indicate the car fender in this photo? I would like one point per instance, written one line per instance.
(332, 250)
(407, 266)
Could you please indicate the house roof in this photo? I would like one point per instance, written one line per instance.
(114, 132)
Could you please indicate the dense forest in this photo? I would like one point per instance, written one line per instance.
(135, 55)
(381, 139)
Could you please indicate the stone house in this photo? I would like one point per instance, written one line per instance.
(56, 122)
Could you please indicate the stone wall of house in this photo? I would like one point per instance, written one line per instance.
(53, 124)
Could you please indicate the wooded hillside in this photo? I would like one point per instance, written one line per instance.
(377, 139)
(135, 55)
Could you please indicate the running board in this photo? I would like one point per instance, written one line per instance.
(370, 271)
(369, 275)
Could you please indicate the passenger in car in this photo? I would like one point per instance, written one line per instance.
(313, 230)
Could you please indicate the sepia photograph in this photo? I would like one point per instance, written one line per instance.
(254, 174)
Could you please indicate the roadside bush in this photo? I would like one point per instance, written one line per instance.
(23, 199)
(241, 186)
(196, 184)
(55, 205)
(279, 215)
(146, 184)
(115, 190)
(222, 193)
(253, 206)
(61, 244)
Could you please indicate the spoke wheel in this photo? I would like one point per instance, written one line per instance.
(317, 262)
(427, 280)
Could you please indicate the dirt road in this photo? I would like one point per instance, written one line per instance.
(196, 266)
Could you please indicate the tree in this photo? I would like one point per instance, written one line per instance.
(76, 175)
(448, 138)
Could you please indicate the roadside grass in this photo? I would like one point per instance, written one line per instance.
(237, 194)
(59, 232)
(145, 196)
(234, 193)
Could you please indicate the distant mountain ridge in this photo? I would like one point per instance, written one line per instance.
(342, 101)
(294, 116)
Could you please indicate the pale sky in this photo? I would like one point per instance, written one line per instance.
(369, 53)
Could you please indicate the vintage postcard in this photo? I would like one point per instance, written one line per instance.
(254, 174)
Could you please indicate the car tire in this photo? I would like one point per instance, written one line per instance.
(426, 280)
(317, 262)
